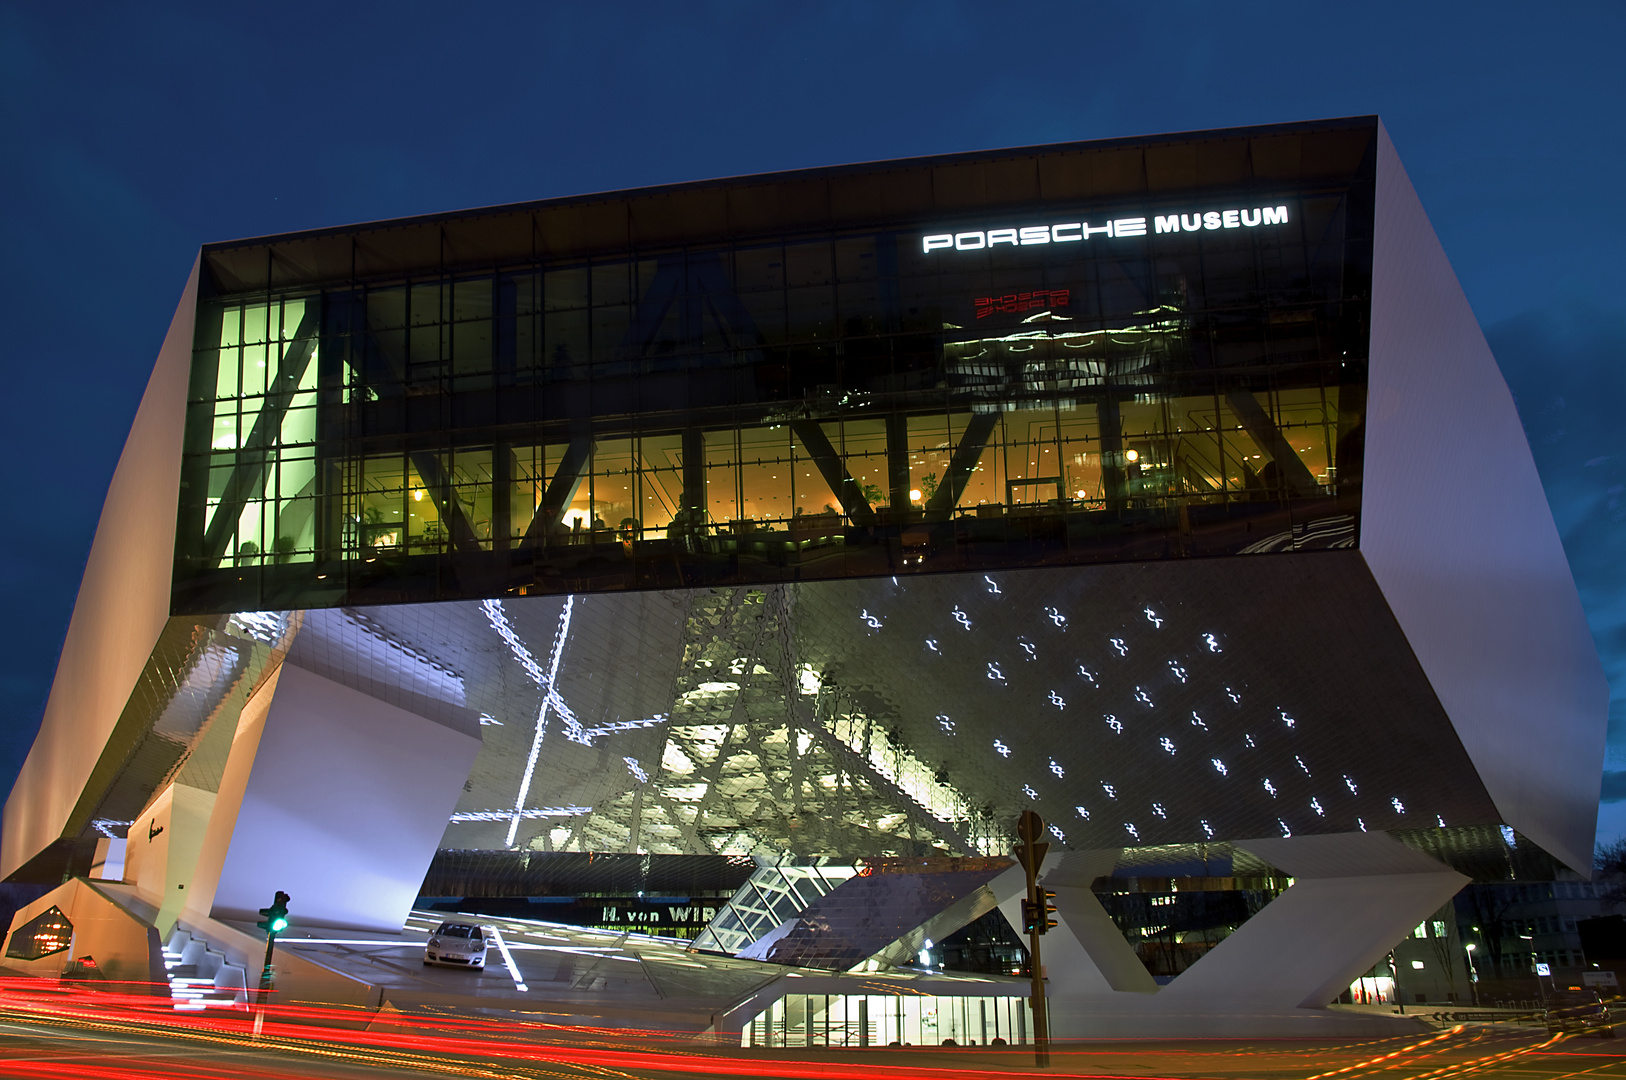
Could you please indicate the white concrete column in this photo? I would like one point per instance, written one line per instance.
(334, 797)
(1354, 895)
(1086, 953)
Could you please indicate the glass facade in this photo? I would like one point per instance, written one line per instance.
(829, 394)
(912, 1019)
(771, 896)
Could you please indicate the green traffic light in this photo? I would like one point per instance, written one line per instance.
(276, 916)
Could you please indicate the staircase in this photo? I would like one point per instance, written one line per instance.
(199, 977)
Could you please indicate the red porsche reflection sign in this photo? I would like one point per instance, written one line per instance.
(1017, 303)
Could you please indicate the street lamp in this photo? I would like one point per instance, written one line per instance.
(1535, 968)
(1473, 973)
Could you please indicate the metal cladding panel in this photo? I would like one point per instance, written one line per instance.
(121, 610)
(1174, 702)
(1457, 532)
(1169, 702)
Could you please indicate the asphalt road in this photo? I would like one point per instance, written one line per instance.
(89, 1036)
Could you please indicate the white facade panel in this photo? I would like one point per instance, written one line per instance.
(343, 809)
(122, 606)
(1457, 532)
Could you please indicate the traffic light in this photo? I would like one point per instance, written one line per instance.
(276, 916)
(1037, 918)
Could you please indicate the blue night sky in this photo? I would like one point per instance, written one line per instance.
(132, 134)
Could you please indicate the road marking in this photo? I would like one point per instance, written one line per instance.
(508, 959)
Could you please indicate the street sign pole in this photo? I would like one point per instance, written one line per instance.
(1031, 853)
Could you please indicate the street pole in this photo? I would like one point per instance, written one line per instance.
(265, 983)
(1473, 974)
(265, 972)
(1031, 855)
(276, 919)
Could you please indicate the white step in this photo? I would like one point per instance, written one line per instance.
(211, 981)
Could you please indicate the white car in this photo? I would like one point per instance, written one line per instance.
(457, 944)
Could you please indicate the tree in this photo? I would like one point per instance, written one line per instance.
(1609, 862)
(1447, 946)
(1488, 906)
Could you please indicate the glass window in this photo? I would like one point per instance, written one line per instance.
(614, 500)
(863, 450)
(661, 488)
(794, 407)
(722, 478)
(46, 933)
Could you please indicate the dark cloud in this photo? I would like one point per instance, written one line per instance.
(1567, 370)
(1614, 786)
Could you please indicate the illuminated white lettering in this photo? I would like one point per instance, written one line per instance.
(1071, 231)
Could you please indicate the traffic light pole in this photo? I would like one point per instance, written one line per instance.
(265, 972)
(276, 920)
(1035, 914)
(265, 983)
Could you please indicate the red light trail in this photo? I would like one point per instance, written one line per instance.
(109, 1036)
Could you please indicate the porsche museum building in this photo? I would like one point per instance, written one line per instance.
(1165, 486)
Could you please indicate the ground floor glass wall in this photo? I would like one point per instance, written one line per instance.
(889, 1020)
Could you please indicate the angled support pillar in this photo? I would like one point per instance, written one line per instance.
(650, 311)
(1354, 895)
(964, 462)
(707, 279)
(1252, 416)
(567, 478)
(834, 471)
(438, 482)
(249, 475)
(1086, 955)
